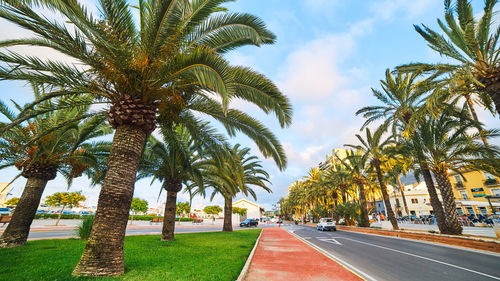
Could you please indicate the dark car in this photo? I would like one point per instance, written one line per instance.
(249, 222)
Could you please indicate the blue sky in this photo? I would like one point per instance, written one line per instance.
(328, 55)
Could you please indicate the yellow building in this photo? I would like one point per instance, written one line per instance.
(472, 193)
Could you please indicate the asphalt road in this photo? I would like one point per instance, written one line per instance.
(386, 258)
(71, 233)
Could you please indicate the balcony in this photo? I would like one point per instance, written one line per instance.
(490, 182)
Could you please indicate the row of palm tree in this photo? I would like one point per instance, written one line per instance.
(429, 124)
(166, 68)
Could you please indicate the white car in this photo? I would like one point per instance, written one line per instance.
(326, 224)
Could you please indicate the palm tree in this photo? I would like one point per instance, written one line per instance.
(356, 166)
(169, 61)
(472, 44)
(403, 105)
(448, 147)
(236, 171)
(401, 97)
(394, 168)
(41, 147)
(373, 147)
(176, 161)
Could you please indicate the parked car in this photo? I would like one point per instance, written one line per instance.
(41, 212)
(249, 222)
(5, 212)
(326, 224)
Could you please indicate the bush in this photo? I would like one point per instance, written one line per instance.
(149, 217)
(54, 216)
(85, 227)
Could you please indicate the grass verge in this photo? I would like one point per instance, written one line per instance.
(193, 256)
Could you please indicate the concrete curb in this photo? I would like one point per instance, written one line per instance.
(465, 237)
(344, 264)
(244, 271)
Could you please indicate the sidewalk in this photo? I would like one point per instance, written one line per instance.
(281, 256)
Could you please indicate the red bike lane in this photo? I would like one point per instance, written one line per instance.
(281, 256)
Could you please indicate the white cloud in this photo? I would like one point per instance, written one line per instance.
(408, 9)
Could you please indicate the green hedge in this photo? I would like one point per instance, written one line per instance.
(149, 217)
(54, 216)
(136, 218)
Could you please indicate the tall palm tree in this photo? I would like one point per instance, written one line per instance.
(403, 102)
(448, 147)
(40, 148)
(356, 165)
(169, 60)
(178, 160)
(373, 146)
(236, 171)
(473, 46)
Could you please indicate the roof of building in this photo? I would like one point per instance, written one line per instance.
(249, 202)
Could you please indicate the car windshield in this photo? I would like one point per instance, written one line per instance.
(328, 220)
(248, 220)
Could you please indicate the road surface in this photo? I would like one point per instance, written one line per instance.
(386, 258)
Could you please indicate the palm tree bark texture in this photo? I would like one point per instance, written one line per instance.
(18, 229)
(450, 207)
(385, 195)
(228, 213)
(364, 220)
(402, 188)
(103, 254)
(172, 187)
(435, 203)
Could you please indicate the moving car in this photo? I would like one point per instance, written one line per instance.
(249, 222)
(326, 224)
(5, 212)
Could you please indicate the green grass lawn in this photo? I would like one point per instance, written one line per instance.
(195, 256)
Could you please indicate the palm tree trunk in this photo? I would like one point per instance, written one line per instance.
(474, 116)
(492, 87)
(18, 229)
(172, 187)
(402, 188)
(435, 202)
(385, 195)
(60, 214)
(103, 255)
(364, 220)
(228, 213)
(450, 207)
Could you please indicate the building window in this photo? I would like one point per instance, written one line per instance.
(464, 195)
(470, 211)
(483, 210)
(496, 192)
(459, 181)
(414, 201)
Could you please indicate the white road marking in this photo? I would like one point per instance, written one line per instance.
(425, 258)
(330, 240)
(337, 259)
